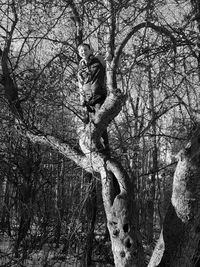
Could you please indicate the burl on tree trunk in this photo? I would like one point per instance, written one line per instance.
(179, 239)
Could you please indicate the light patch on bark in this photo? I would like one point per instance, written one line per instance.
(158, 252)
(119, 226)
(183, 188)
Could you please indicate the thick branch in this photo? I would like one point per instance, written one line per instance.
(120, 174)
(11, 91)
(91, 162)
(109, 110)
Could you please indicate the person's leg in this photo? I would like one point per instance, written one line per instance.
(88, 110)
(106, 141)
(105, 133)
(86, 117)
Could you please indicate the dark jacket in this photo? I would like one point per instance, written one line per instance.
(91, 76)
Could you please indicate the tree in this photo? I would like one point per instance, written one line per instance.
(165, 38)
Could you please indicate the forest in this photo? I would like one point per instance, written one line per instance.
(64, 200)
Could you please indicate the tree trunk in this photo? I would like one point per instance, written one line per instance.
(120, 209)
(58, 203)
(178, 242)
(121, 222)
(91, 210)
(5, 215)
(153, 163)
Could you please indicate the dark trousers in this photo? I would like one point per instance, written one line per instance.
(92, 109)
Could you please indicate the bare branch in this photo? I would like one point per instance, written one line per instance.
(160, 29)
(78, 22)
(63, 148)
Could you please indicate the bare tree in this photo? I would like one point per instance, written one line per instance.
(120, 206)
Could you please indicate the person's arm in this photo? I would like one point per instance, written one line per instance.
(80, 86)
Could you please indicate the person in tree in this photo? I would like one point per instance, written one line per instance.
(91, 79)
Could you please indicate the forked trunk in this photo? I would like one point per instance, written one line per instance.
(119, 206)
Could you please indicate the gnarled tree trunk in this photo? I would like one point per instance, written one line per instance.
(178, 242)
(119, 208)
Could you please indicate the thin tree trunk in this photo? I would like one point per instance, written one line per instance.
(91, 210)
(151, 195)
(5, 215)
(58, 202)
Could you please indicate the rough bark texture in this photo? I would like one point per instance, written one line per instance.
(91, 212)
(178, 243)
(124, 234)
(122, 225)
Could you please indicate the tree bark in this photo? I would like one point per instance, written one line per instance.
(154, 164)
(5, 215)
(120, 209)
(91, 211)
(178, 242)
